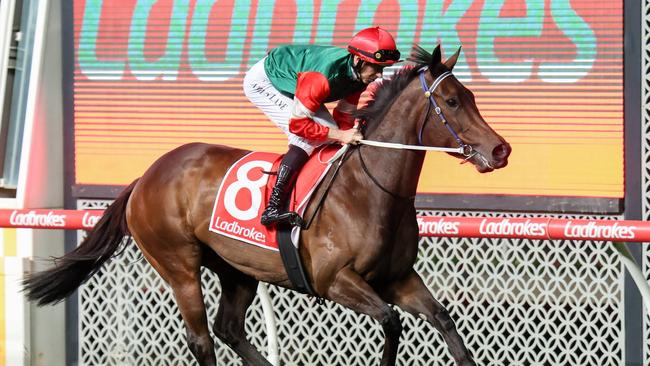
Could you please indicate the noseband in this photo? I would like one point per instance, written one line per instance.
(467, 150)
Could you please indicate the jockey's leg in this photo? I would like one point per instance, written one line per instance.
(277, 107)
(276, 210)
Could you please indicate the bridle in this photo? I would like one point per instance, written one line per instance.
(463, 148)
(467, 150)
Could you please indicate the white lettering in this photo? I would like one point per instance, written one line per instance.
(438, 227)
(235, 229)
(31, 218)
(505, 227)
(593, 230)
(89, 220)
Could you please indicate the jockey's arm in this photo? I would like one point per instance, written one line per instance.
(344, 112)
(312, 88)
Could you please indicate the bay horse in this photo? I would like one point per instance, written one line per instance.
(360, 250)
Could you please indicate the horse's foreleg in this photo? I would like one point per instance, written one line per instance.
(412, 296)
(353, 292)
(237, 293)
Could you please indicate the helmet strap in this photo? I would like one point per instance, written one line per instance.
(356, 67)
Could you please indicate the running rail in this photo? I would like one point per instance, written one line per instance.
(618, 232)
(429, 226)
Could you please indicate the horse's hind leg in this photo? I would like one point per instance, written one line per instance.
(192, 307)
(178, 263)
(237, 293)
(412, 296)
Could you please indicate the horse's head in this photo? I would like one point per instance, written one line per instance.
(453, 102)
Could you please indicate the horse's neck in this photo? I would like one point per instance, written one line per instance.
(398, 170)
(400, 122)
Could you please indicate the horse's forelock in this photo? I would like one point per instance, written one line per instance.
(420, 56)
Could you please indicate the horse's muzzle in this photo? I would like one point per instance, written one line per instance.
(500, 155)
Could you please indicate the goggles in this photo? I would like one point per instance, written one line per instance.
(380, 55)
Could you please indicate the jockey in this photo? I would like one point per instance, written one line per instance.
(292, 83)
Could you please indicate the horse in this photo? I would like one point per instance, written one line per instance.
(360, 250)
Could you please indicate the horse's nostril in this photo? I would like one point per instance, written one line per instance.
(501, 152)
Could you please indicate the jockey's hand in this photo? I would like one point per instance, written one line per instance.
(351, 136)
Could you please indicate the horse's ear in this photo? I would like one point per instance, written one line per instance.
(451, 62)
(436, 58)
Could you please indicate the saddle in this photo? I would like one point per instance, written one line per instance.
(242, 196)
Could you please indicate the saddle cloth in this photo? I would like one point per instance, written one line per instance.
(245, 189)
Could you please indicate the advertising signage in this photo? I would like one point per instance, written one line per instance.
(547, 75)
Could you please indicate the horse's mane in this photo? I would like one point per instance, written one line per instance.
(390, 88)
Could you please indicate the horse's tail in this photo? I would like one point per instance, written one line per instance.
(75, 268)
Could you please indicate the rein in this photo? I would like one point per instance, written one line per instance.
(393, 145)
(374, 180)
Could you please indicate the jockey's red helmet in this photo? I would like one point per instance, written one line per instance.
(374, 45)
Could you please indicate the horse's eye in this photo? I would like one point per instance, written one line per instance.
(452, 103)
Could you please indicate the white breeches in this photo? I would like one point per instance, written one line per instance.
(277, 106)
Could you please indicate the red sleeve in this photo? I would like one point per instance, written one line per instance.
(311, 90)
(343, 113)
(307, 128)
